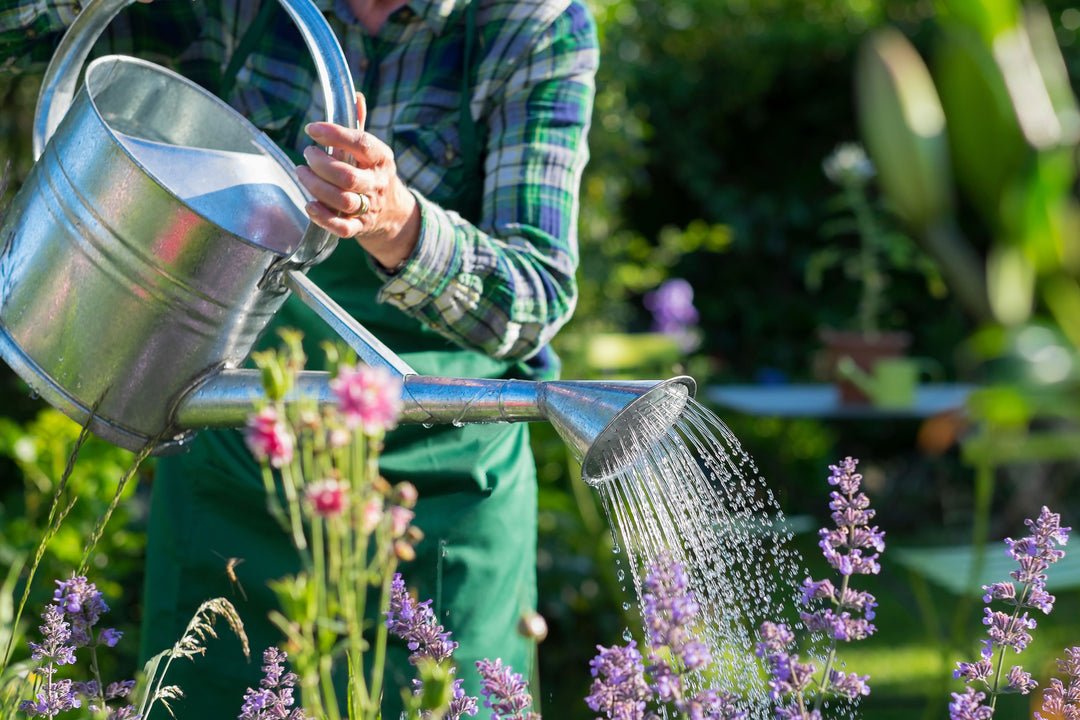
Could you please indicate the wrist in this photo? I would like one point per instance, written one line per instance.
(393, 250)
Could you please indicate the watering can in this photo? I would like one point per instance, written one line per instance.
(158, 233)
(891, 383)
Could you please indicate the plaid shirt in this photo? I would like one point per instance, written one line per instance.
(503, 284)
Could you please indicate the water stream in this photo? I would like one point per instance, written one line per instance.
(696, 494)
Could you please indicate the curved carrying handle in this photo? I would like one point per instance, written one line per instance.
(59, 83)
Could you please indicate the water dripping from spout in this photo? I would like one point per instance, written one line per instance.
(689, 489)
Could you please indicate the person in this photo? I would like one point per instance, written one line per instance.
(459, 190)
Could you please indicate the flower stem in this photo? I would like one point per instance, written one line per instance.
(831, 657)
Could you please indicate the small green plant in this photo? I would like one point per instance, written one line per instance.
(881, 248)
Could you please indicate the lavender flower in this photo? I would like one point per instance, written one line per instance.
(1061, 700)
(712, 705)
(851, 513)
(796, 712)
(56, 634)
(851, 548)
(850, 686)
(1012, 630)
(83, 606)
(618, 689)
(57, 696)
(787, 676)
(461, 704)
(969, 706)
(844, 547)
(673, 311)
(274, 697)
(504, 691)
(669, 608)
(53, 698)
(672, 306)
(414, 622)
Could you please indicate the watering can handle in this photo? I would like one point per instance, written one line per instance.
(62, 75)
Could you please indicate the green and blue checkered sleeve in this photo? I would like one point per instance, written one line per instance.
(29, 31)
(508, 284)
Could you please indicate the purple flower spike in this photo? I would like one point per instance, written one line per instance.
(414, 622)
(504, 690)
(83, 606)
(1033, 555)
(711, 705)
(968, 705)
(461, 704)
(273, 700)
(850, 686)
(672, 306)
(56, 634)
(669, 608)
(619, 689)
(53, 699)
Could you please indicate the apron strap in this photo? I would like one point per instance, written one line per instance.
(247, 43)
(471, 135)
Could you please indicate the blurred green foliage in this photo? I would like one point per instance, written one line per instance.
(38, 452)
(712, 120)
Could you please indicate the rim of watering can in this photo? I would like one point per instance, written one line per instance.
(656, 410)
(60, 82)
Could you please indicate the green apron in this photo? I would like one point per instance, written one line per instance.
(477, 508)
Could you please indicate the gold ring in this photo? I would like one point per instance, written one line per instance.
(365, 205)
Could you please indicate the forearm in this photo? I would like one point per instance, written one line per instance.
(505, 294)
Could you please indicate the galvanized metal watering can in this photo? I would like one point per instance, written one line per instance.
(159, 232)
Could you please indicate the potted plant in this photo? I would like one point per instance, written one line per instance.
(880, 249)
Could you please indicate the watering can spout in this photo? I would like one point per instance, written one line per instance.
(600, 421)
(848, 369)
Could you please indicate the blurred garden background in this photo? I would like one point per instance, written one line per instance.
(712, 124)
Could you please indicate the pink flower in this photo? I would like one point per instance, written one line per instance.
(400, 518)
(371, 514)
(328, 498)
(269, 438)
(369, 398)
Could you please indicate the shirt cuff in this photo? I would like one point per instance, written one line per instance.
(434, 261)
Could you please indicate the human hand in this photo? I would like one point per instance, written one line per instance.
(357, 191)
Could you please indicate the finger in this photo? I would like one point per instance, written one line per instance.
(336, 198)
(365, 148)
(361, 111)
(342, 226)
(336, 172)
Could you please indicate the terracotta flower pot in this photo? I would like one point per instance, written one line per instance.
(865, 350)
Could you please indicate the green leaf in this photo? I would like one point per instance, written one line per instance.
(903, 128)
(979, 116)
(988, 17)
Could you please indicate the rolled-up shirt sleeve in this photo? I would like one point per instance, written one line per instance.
(506, 285)
(29, 31)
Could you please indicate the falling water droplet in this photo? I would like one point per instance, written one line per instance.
(689, 490)
(627, 636)
(428, 425)
(625, 606)
(34, 394)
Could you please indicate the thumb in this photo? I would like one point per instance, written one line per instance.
(361, 111)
